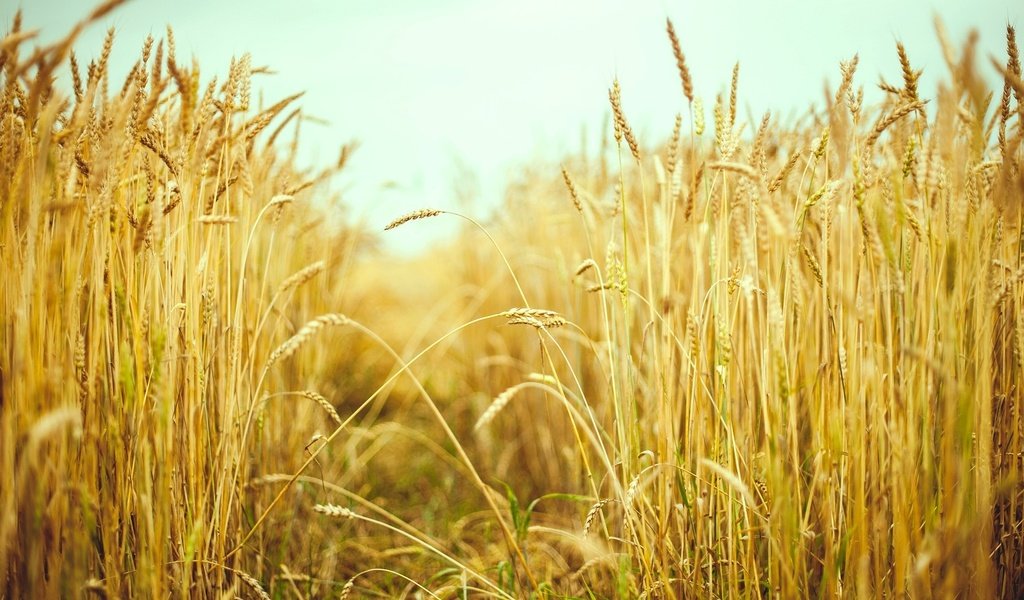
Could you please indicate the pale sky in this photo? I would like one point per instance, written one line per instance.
(436, 90)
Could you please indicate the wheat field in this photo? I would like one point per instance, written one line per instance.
(743, 360)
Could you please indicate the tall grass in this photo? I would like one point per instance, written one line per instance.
(761, 360)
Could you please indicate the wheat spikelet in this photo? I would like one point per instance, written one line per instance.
(698, 117)
(324, 403)
(732, 94)
(827, 191)
(890, 89)
(586, 266)
(497, 405)
(347, 590)
(910, 76)
(245, 82)
(300, 187)
(218, 219)
(721, 135)
(333, 510)
(847, 69)
(425, 213)
(572, 190)
(605, 558)
(781, 177)
(542, 378)
(812, 263)
(281, 199)
(622, 128)
(253, 584)
(1013, 62)
(308, 330)
(677, 51)
(529, 312)
(735, 167)
(302, 276)
(691, 198)
(652, 591)
(613, 98)
(896, 115)
(631, 492)
(732, 479)
(537, 317)
(675, 184)
(592, 514)
(545, 323)
(673, 145)
(758, 156)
